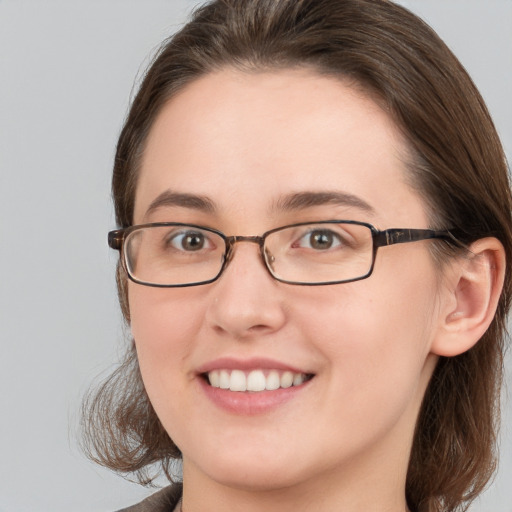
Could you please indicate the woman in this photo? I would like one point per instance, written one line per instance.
(315, 241)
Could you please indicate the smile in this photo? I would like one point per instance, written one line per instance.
(255, 380)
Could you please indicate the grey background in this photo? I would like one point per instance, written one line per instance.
(66, 74)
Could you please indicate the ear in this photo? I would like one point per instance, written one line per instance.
(473, 288)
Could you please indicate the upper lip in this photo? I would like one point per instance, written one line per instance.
(257, 363)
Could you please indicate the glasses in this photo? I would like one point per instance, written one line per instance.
(170, 254)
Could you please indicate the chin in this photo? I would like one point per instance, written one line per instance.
(258, 476)
(257, 472)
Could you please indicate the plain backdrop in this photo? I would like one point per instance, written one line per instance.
(67, 69)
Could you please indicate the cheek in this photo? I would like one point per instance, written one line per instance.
(162, 328)
(160, 318)
(377, 333)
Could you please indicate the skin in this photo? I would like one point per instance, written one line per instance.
(245, 141)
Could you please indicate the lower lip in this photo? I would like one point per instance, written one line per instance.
(251, 403)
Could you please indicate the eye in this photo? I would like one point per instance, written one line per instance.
(319, 239)
(189, 241)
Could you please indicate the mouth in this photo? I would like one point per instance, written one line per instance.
(256, 380)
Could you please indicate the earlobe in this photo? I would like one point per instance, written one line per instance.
(476, 280)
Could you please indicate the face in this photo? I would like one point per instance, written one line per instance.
(247, 143)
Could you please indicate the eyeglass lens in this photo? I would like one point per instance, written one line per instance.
(310, 253)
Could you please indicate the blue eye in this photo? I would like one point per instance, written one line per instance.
(320, 240)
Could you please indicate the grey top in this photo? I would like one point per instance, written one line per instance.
(162, 501)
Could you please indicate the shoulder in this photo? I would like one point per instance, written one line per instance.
(162, 501)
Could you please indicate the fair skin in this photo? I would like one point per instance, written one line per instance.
(341, 440)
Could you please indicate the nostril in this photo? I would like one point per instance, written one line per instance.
(258, 328)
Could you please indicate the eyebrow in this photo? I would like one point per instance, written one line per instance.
(291, 202)
(304, 200)
(183, 200)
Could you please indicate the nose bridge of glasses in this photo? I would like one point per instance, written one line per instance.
(232, 240)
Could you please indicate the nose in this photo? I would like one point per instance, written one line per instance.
(246, 301)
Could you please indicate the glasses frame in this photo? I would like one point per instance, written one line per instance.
(393, 236)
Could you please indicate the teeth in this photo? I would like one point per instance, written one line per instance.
(256, 380)
(224, 379)
(273, 381)
(238, 381)
(286, 379)
(214, 379)
(298, 379)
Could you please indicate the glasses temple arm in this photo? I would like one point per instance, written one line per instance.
(115, 239)
(400, 236)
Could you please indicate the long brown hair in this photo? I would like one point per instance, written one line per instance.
(456, 162)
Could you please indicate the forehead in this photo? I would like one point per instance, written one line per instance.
(245, 140)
